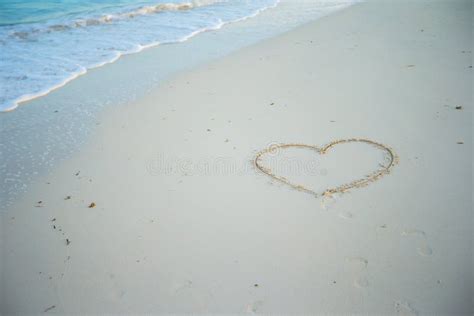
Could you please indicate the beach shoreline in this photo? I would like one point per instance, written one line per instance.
(163, 210)
(54, 127)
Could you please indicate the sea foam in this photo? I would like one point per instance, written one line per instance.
(38, 57)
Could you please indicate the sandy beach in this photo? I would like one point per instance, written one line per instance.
(162, 210)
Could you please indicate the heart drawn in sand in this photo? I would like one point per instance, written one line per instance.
(371, 177)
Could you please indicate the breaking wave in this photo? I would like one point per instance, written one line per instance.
(36, 58)
(109, 18)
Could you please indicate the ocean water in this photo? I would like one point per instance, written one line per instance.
(46, 43)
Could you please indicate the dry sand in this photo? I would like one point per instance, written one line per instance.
(183, 222)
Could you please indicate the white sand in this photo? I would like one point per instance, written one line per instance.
(224, 240)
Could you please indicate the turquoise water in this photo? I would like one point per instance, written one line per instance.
(34, 11)
(45, 44)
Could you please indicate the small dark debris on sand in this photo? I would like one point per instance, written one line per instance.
(226, 140)
(54, 219)
(91, 205)
(458, 107)
(255, 285)
(77, 173)
(208, 130)
(67, 197)
(460, 143)
(273, 103)
(410, 66)
(67, 242)
(39, 204)
(49, 308)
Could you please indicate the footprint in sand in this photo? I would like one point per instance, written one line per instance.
(358, 266)
(181, 286)
(346, 215)
(328, 202)
(254, 307)
(423, 248)
(115, 290)
(404, 308)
